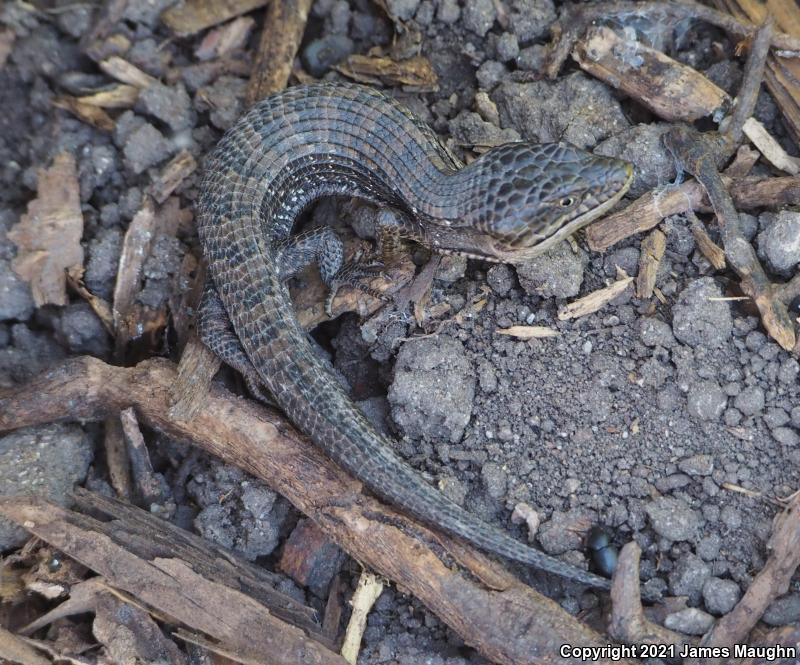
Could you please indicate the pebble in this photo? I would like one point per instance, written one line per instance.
(469, 128)
(673, 519)
(556, 273)
(402, 9)
(786, 436)
(339, 17)
(323, 53)
(146, 147)
(451, 268)
(45, 460)
(495, 480)
(524, 513)
(690, 621)
(720, 596)
(731, 517)
(104, 252)
(170, 104)
(709, 546)
(706, 400)
(559, 534)
(532, 59)
(16, 301)
(574, 108)
(486, 108)
(780, 242)
(433, 389)
(732, 417)
(755, 340)
(487, 377)
(449, 12)
(490, 73)
(478, 16)
(699, 321)
(507, 47)
(225, 100)
(750, 401)
(500, 278)
(776, 417)
(688, 577)
(672, 482)
(530, 19)
(788, 371)
(79, 329)
(697, 465)
(642, 146)
(783, 611)
(654, 332)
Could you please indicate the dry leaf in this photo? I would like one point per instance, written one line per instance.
(416, 72)
(48, 236)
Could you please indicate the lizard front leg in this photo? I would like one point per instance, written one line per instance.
(323, 247)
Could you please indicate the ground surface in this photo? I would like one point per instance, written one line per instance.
(635, 417)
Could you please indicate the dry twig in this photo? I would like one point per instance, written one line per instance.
(512, 624)
(628, 623)
(772, 581)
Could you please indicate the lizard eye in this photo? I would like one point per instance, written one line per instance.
(567, 201)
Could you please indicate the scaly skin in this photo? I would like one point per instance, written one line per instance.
(328, 139)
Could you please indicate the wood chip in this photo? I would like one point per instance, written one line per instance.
(417, 73)
(284, 26)
(91, 115)
(48, 236)
(368, 590)
(743, 163)
(172, 175)
(594, 301)
(770, 148)
(652, 251)
(125, 72)
(224, 39)
(187, 18)
(148, 489)
(528, 332)
(135, 249)
(119, 96)
(14, 649)
(203, 597)
(309, 556)
(672, 90)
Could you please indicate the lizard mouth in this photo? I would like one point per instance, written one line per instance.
(594, 208)
(468, 242)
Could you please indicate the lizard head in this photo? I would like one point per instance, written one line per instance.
(534, 195)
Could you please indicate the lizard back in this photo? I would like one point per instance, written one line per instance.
(286, 152)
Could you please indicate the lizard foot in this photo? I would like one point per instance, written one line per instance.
(357, 273)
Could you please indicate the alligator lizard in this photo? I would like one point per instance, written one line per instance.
(325, 139)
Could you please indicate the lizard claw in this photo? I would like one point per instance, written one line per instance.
(353, 274)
